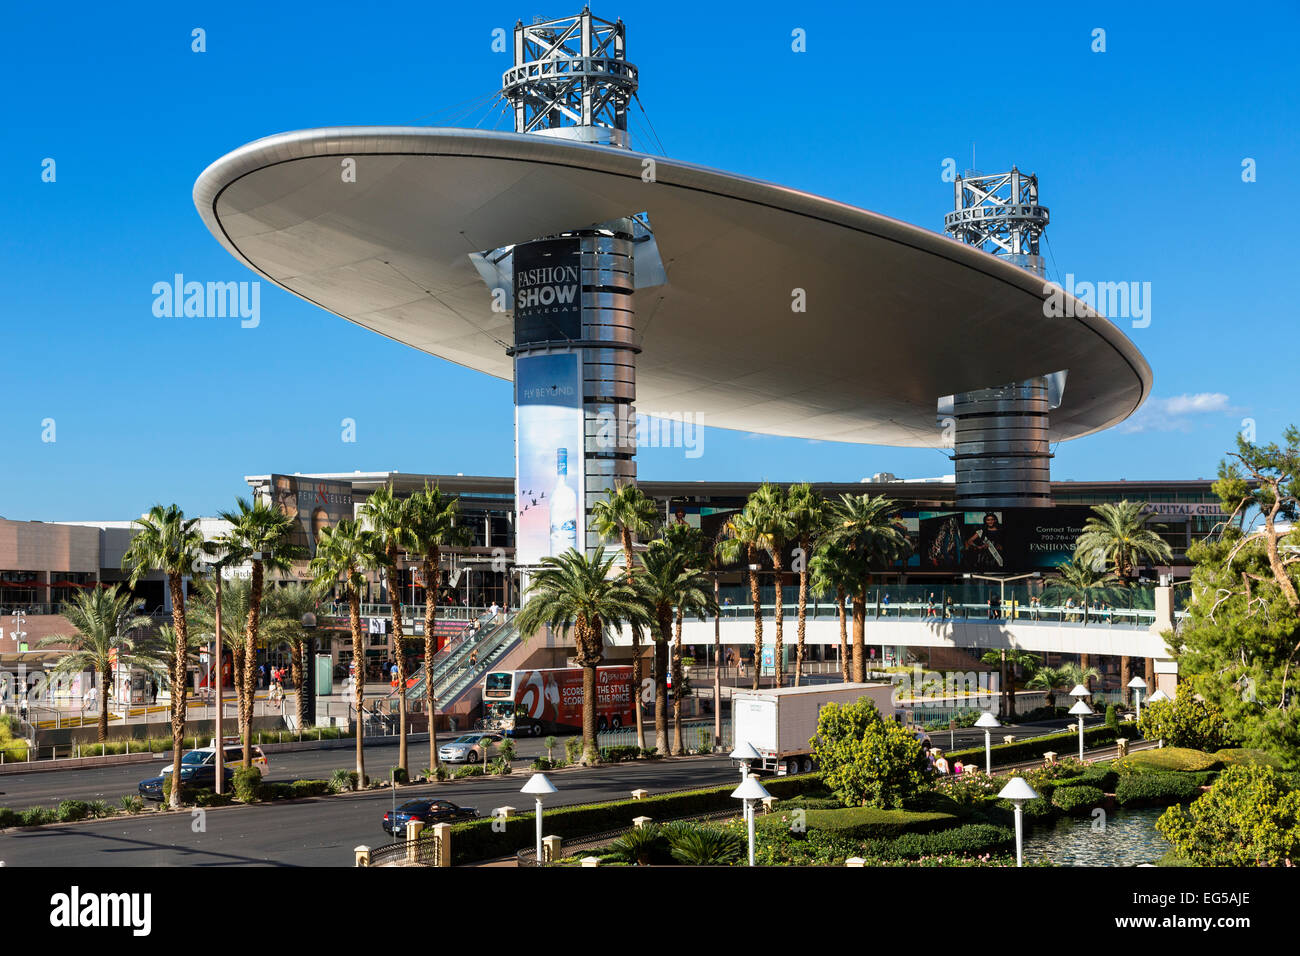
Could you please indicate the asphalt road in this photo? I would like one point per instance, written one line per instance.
(47, 788)
(320, 832)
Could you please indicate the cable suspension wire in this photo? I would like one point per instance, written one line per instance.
(637, 97)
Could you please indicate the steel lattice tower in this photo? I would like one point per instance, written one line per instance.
(1001, 451)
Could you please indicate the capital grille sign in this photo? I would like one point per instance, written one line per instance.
(548, 291)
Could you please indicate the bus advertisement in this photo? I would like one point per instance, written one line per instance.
(530, 703)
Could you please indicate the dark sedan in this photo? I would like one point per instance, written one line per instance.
(427, 812)
(201, 777)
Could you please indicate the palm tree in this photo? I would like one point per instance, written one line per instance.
(102, 620)
(833, 572)
(1009, 659)
(283, 609)
(236, 593)
(262, 534)
(774, 510)
(432, 524)
(1122, 535)
(344, 554)
(745, 536)
(391, 518)
(1048, 679)
(582, 596)
(863, 528)
(808, 514)
(677, 576)
(167, 541)
(1080, 673)
(626, 513)
(1081, 578)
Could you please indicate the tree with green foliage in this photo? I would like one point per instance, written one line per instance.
(694, 597)
(1239, 643)
(627, 513)
(833, 573)
(165, 540)
(866, 760)
(1186, 721)
(1008, 660)
(808, 514)
(1250, 817)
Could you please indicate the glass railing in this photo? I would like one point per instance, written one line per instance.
(455, 655)
(940, 609)
(490, 650)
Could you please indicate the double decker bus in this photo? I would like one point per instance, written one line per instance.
(530, 703)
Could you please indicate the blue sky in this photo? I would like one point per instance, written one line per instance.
(1139, 152)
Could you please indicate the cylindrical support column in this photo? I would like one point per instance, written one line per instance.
(1001, 450)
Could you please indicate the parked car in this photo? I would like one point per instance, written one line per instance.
(232, 753)
(195, 776)
(466, 748)
(427, 812)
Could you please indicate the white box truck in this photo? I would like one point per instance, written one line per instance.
(780, 722)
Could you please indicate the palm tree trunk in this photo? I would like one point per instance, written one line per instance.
(590, 752)
(717, 667)
(237, 659)
(103, 709)
(1149, 675)
(431, 563)
(860, 636)
(779, 646)
(636, 648)
(677, 685)
(395, 606)
(178, 688)
(662, 642)
(1083, 664)
(359, 691)
(250, 655)
(803, 613)
(1125, 675)
(844, 634)
(758, 619)
(300, 697)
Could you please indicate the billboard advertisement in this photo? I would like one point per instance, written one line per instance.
(548, 455)
(992, 542)
(313, 504)
(547, 288)
(551, 699)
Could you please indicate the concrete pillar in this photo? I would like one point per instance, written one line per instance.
(442, 832)
(640, 794)
(855, 861)
(504, 812)
(551, 848)
(639, 822)
(413, 828)
(586, 861)
(362, 855)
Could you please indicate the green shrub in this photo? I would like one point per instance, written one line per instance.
(341, 780)
(499, 766)
(131, 803)
(506, 750)
(1077, 800)
(1167, 759)
(1250, 758)
(1251, 817)
(694, 845)
(1156, 789)
(37, 816)
(704, 740)
(863, 823)
(210, 798)
(573, 749)
(309, 788)
(9, 818)
(541, 764)
(468, 771)
(247, 782)
(865, 759)
(619, 754)
(72, 810)
(477, 840)
(640, 845)
(1185, 721)
(1112, 718)
(100, 809)
(972, 839)
(399, 775)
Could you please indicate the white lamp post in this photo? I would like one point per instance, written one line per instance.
(988, 722)
(745, 754)
(1080, 692)
(751, 791)
(1138, 685)
(538, 785)
(1080, 710)
(1156, 698)
(1018, 791)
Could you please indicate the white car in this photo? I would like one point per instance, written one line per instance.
(467, 747)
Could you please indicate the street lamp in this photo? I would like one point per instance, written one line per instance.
(1080, 710)
(745, 754)
(1003, 582)
(1138, 685)
(538, 785)
(1018, 791)
(1080, 692)
(750, 791)
(988, 722)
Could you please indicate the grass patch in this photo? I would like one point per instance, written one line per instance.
(863, 823)
(1169, 759)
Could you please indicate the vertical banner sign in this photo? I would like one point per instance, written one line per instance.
(548, 456)
(548, 293)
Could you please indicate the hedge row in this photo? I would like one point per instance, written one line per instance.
(1170, 759)
(1062, 743)
(863, 823)
(971, 839)
(1077, 799)
(478, 840)
(1158, 789)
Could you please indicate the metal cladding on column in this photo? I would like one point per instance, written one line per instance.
(608, 371)
(1001, 448)
(1001, 452)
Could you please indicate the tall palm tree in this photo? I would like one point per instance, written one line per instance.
(746, 536)
(283, 609)
(1080, 673)
(1080, 578)
(165, 540)
(863, 528)
(432, 525)
(1048, 679)
(582, 596)
(1009, 659)
(692, 595)
(236, 593)
(833, 573)
(626, 513)
(102, 621)
(391, 518)
(262, 534)
(344, 554)
(808, 514)
(773, 508)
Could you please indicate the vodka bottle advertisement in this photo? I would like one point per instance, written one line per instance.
(549, 443)
(564, 507)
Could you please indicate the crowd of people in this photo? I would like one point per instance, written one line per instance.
(937, 763)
